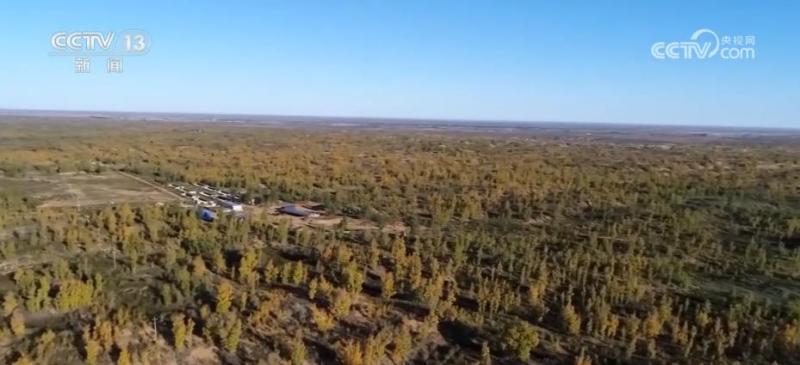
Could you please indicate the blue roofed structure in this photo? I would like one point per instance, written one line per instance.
(207, 215)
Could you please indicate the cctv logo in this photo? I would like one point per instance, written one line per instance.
(82, 41)
(129, 42)
(699, 49)
(687, 50)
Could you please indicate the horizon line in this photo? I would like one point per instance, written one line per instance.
(10, 111)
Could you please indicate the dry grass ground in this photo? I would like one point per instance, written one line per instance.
(81, 189)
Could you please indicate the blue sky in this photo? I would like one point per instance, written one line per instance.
(491, 60)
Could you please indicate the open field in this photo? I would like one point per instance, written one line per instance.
(82, 189)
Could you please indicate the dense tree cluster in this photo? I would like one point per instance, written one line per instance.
(524, 249)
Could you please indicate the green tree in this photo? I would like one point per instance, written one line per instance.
(324, 321)
(298, 273)
(91, 349)
(521, 338)
(570, 319)
(298, 349)
(388, 290)
(234, 333)
(247, 265)
(341, 303)
(224, 296)
(402, 345)
(178, 331)
(198, 266)
(124, 357)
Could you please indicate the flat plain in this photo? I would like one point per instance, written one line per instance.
(432, 242)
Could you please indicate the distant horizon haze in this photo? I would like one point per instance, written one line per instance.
(135, 115)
